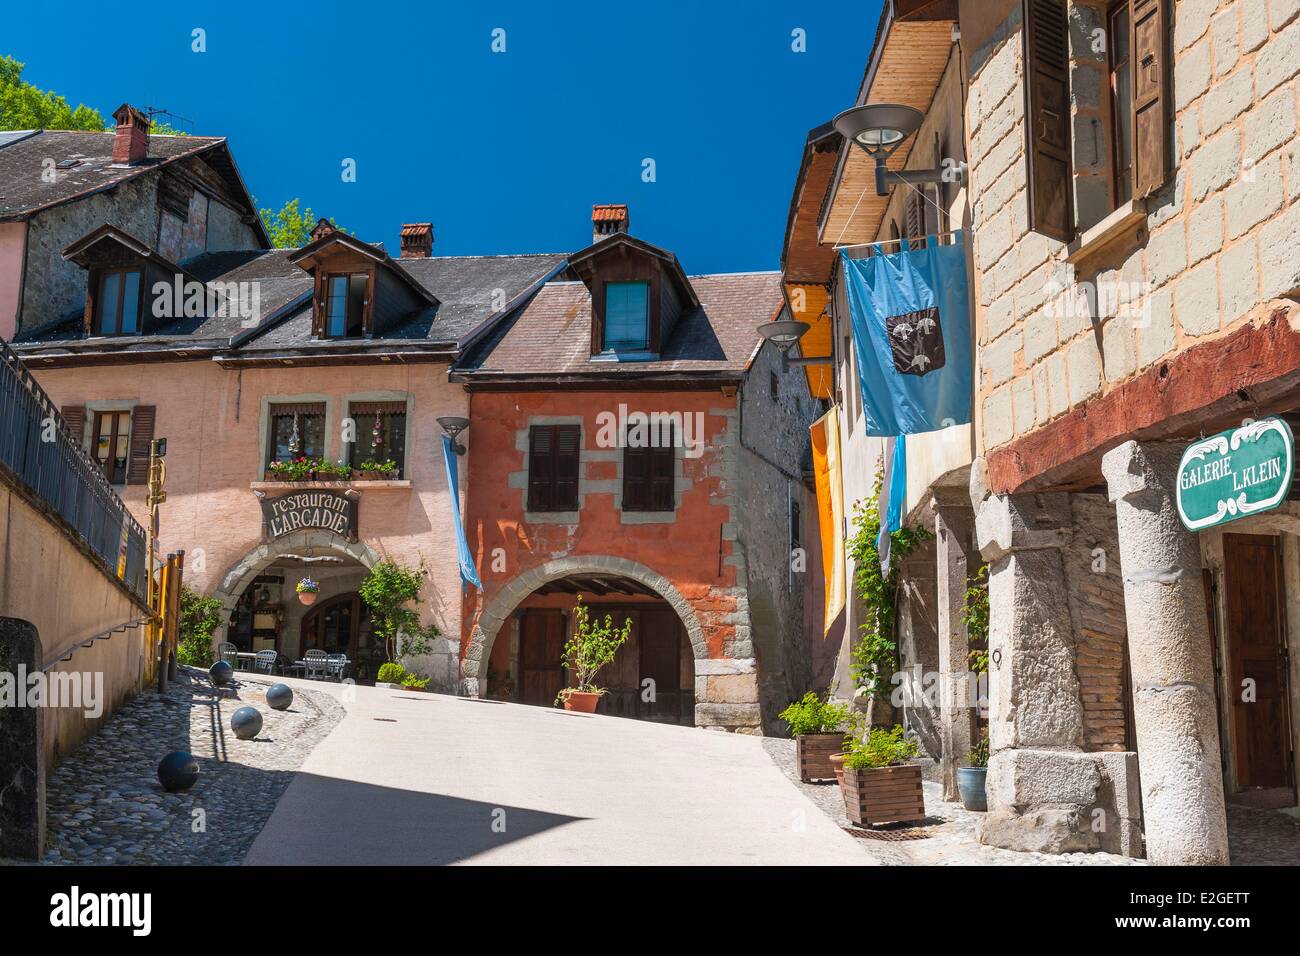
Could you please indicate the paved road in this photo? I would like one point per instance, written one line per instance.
(423, 778)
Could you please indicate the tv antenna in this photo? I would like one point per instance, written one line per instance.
(152, 111)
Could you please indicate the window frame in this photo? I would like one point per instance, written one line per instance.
(118, 415)
(357, 411)
(557, 500)
(361, 323)
(645, 342)
(97, 317)
(304, 409)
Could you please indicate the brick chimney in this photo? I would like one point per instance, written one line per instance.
(131, 138)
(608, 219)
(417, 240)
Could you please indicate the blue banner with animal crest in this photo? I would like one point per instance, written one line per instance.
(910, 316)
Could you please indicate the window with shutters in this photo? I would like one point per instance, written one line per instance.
(648, 471)
(553, 461)
(112, 444)
(297, 430)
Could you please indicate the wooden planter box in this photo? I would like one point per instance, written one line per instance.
(884, 795)
(814, 755)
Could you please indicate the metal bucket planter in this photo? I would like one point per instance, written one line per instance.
(814, 755)
(970, 784)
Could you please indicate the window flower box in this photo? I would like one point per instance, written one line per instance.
(371, 470)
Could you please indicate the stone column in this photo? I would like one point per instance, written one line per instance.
(954, 531)
(1170, 659)
(22, 788)
(1041, 786)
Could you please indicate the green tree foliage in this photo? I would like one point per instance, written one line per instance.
(874, 658)
(291, 226)
(880, 748)
(975, 614)
(200, 616)
(388, 590)
(23, 106)
(812, 715)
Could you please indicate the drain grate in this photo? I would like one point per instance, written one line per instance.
(890, 836)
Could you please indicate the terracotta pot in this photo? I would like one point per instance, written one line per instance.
(582, 702)
(837, 764)
(307, 597)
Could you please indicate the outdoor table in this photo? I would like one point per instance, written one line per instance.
(246, 659)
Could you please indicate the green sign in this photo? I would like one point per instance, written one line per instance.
(1236, 473)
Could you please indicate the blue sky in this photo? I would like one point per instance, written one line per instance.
(503, 152)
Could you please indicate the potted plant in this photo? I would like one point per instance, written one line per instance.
(372, 470)
(880, 785)
(308, 590)
(390, 675)
(592, 646)
(817, 727)
(971, 779)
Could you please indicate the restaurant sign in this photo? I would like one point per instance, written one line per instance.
(309, 511)
(1236, 473)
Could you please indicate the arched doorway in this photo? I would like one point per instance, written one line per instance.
(516, 645)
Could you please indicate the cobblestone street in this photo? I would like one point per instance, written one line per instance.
(105, 803)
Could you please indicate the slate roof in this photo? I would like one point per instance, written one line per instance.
(551, 333)
(23, 192)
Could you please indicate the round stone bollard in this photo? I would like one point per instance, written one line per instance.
(246, 723)
(279, 696)
(221, 673)
(178, 771)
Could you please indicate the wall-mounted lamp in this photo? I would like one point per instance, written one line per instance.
(453, 425)
(783, 335)
(880, 128)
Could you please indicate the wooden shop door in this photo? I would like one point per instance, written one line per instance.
(1256, 651)
(660, 639)
(541, 643)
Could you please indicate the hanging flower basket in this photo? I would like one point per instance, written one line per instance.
(308, 590)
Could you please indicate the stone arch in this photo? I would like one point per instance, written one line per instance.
(240, 574)
(500, 606)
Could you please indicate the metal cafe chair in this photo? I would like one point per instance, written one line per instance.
(316, 662)
(335, 665)
(266, 660)
(229, 653)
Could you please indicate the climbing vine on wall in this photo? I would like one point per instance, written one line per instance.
(975, 615)
(874, 658)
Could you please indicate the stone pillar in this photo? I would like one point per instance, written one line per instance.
(1170, 659)
(954, 532)
(918, 653)
(22, 789)
(1041, 786)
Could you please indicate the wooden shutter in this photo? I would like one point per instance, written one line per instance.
(1047, 111)
(568, 439)
(541, 467)
(915, 213)
(137, 469)
(636, 478)
(662, 492)
(1149, 48)
(74, 420)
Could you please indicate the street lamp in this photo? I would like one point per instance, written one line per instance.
(879, 129)
(453, 425)
(783, 335)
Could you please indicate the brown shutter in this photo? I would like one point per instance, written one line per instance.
(662, 492)
(568, 441)
(636, 468)
(74, 421)
(137, 469)
(915, 214)
(541, 467)
(1047, 119)
(1149, 43)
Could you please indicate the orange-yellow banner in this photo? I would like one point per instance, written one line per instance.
(830, 508)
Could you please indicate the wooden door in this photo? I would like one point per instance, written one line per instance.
(1256, 651)
(541, 644)
(660, 639)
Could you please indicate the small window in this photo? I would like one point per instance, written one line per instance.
(113, 444)
(648, 481)
(553, 467)
(626, 315)
(381, 434)
(297, 431)
(345, 306)
(117, 304)
(1121, 102)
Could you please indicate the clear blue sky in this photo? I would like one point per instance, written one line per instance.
(503, 152)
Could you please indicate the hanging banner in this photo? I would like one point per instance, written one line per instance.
(468, 573)
(825, 433)
(1236, 473)
(910, 316)
(893, 489)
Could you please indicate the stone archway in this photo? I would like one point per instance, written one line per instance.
(498, 608)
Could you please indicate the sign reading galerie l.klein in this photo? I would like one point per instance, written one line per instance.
(1236, 473)
(309, 511)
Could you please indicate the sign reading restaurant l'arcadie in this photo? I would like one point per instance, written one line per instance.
(1236, 473)
(309, 511)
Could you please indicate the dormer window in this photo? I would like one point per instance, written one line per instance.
(345, 306)
(627, 325)
(117, 306)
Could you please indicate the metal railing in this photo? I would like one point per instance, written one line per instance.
(40, 453)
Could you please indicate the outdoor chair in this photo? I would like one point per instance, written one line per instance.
(335, 665)
(316, 662)
(266, 661)
(228, 653)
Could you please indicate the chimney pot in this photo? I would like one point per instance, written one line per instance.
(417, 240)
(323, 227)
(131, 138)
(608, 219)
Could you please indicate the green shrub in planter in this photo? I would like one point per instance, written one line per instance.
(415, 682)
(391, 673)
(880, 748)
(812, 715)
